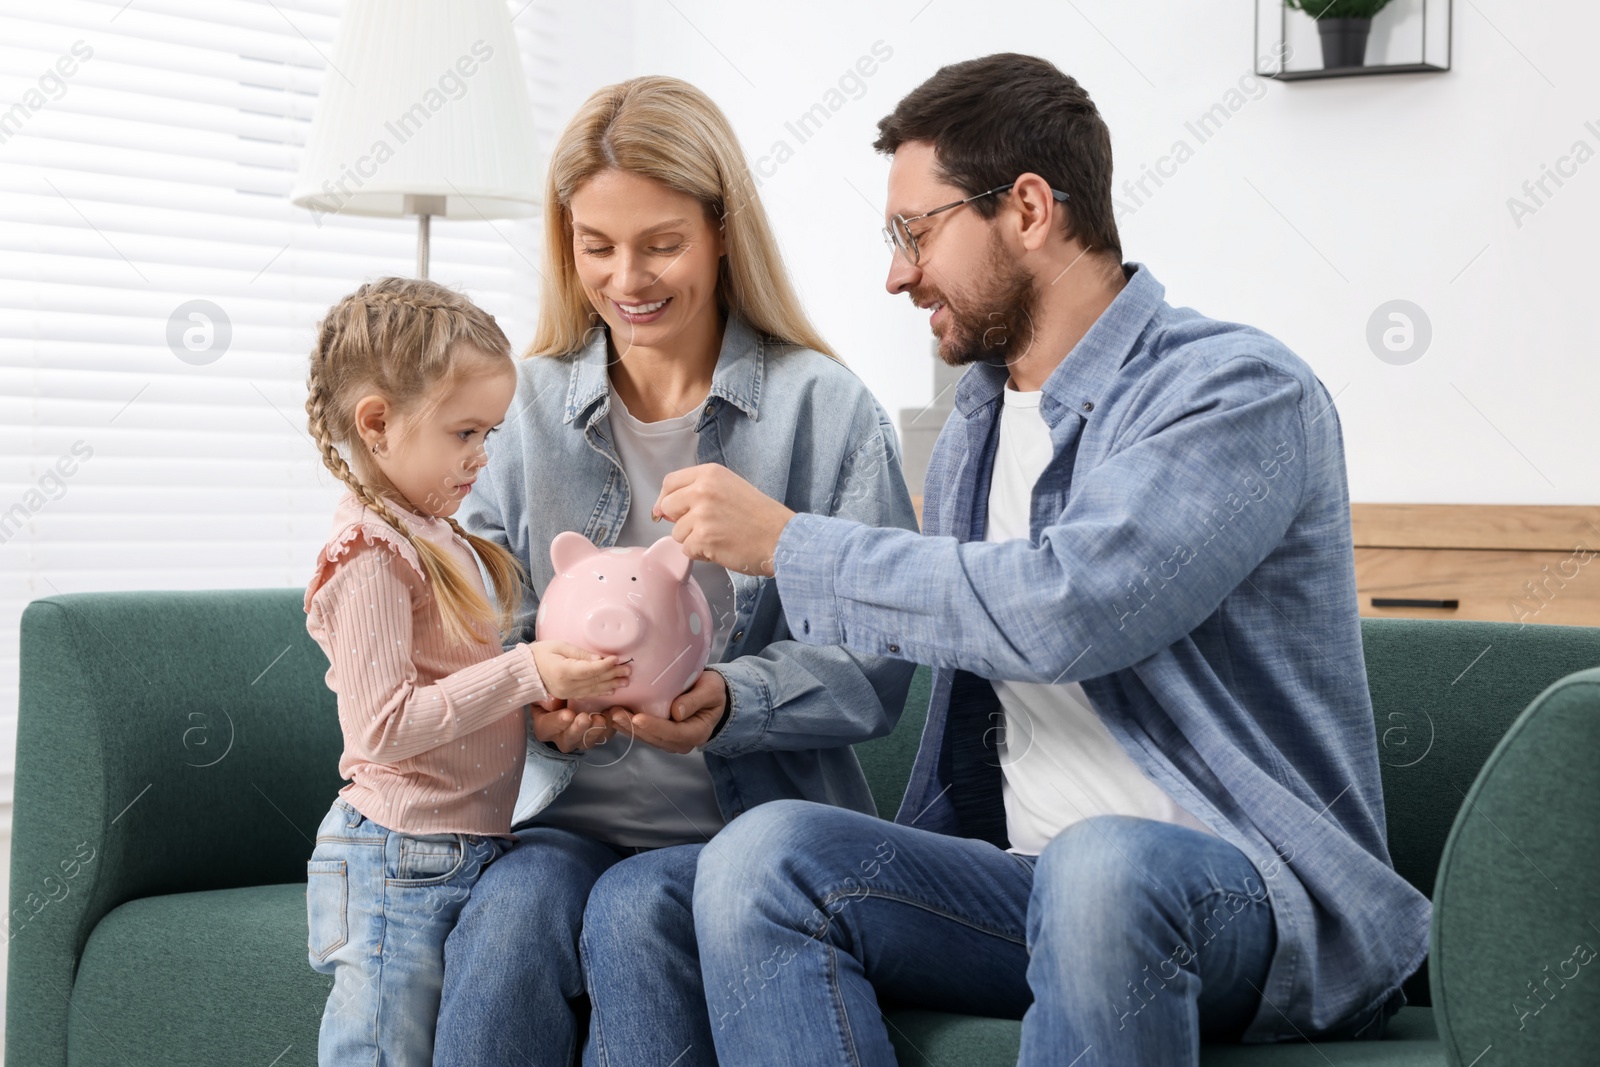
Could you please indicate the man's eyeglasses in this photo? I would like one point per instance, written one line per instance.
(898, 236)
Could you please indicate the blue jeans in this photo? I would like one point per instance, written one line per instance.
(563, 922)
(379, 905)
(1126, 942)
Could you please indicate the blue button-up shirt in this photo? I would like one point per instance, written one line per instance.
(1190, 563)
(802, 429)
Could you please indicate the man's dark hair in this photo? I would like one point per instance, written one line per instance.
(992, 119)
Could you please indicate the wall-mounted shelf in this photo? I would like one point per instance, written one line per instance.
(1406, 37)
(1345, 72)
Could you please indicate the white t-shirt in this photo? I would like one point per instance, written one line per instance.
(1059, 763)
(625, 791)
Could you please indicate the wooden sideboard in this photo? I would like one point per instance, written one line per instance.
(1502, 563)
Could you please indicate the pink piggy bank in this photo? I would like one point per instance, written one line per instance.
(634, 603)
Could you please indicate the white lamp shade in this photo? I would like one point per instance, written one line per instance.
(424, 110)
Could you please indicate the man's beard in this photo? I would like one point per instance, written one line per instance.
(994, 321)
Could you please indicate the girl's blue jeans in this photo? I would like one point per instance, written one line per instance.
(379, 905)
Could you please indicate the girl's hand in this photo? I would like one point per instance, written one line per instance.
(556, 724)
(570, 672)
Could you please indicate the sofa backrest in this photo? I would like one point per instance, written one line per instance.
(1443, 695)
(224, 691)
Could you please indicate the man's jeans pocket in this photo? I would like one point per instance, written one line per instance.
(327, 907)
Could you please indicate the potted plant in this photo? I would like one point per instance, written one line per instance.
(1343, 26)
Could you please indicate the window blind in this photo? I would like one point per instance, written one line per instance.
(146, 154)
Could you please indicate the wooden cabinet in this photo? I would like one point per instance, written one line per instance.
(1502, 563)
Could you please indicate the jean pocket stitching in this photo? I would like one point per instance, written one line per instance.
(460, 851)
(328, 869)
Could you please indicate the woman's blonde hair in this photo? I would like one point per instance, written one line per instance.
(667, 130)
(402, 339)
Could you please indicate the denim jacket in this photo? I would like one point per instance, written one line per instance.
(802, 429)
(1190, 564)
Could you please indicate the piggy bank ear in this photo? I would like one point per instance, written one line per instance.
(668, 555)
(570, 549)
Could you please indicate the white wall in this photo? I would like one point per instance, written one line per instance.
(1315, 203)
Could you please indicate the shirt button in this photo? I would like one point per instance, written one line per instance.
(738, 634)
(894, 648)
(1088, 405)
(711, 409)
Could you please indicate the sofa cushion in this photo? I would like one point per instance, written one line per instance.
(1409, 1041)
(154, 989)
(937, 1039)
(199, 979)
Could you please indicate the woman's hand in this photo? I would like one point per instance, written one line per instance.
(720, 517)
(556, 724)
(695, 715)
(570, 672)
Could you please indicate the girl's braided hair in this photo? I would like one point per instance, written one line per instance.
(403, 338)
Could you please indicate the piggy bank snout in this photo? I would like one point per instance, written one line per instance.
(613, 628)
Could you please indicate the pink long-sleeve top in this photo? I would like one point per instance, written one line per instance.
(434, 731)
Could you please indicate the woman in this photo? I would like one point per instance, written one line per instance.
(669, 336)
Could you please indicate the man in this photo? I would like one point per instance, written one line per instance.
(1146, 811)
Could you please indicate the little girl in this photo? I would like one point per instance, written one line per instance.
(411, 377)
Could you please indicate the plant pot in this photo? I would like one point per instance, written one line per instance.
(1344, 42)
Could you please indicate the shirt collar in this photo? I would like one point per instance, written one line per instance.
(736, 379)
(1082, 378)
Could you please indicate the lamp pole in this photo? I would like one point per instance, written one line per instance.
(422, 246)
(424, 208)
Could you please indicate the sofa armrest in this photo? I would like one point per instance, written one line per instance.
(1515, 935)
(166, 742)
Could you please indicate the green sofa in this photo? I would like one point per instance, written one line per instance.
(176, 751)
